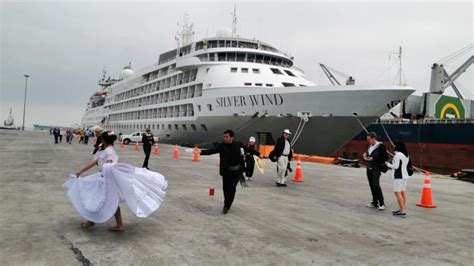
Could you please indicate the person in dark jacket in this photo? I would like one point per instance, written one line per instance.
(376, 156)
(251, 149)
(231, 166)
(148, 142)
(56, 135)
(282, 154)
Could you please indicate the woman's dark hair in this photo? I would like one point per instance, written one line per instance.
(108, 138)
(400, 147)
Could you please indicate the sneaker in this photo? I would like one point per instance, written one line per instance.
(283, 185)
(399, 214)
(395, 212)
(247, 179)
(371, 205)
(381, 207)
(278, 184)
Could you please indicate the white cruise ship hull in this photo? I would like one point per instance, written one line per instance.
(331, 113)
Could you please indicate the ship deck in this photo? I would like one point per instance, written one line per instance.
(321, 221)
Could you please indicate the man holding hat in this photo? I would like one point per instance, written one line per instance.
(282, 154)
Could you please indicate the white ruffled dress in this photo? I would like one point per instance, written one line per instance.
(96, 197)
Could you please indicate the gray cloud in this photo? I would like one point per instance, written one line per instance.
(63, 46)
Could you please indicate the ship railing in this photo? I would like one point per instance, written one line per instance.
(426, 121)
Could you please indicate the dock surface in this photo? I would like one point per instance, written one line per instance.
(320, 221)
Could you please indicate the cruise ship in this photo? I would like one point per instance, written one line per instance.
(196, 91)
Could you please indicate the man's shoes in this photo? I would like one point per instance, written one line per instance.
(278, 184)
(371, 205)
(225, 210)
(381, 207)
(283, 185)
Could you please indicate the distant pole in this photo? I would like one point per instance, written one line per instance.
(24, 102)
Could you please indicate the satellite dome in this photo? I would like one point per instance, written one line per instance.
(127, 72)
(224, 32)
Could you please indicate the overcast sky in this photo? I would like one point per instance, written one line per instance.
(63, 46)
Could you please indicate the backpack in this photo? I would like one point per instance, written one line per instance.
(271, 156)
(410, 168)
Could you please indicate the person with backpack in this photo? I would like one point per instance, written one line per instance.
(401, 171)
(376, 156)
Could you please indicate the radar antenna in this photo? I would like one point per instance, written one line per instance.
(186, 30)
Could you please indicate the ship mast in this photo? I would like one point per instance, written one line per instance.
(234, 21)
(186, 30)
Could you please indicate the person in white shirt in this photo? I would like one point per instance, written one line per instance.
(399, 175)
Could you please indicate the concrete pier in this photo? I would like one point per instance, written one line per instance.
(321, 221)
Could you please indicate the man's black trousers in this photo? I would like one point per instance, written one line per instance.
(373, 175)
(229, 186)
(147, 150)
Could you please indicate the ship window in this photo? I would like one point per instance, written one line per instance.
(276, 71)
(251, 58)
(207, 70)
(193, 126)
(169, 127)
(258, 84)
(289, 73)
(176, 127)
(153, 127)
(244, 70)
(233, 69)
(269, 85)
(184, 127)
(287, 84)
(240, 57)
(248, 84)
(302, 85)
(209, 106)
(256, 71)
(221, 56)
(199, 107)
(204, 127)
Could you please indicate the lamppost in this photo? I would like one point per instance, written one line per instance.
(24, 102)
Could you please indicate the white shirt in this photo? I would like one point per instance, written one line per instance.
(372, 148)
(397, 159)
(286, 150)
(105, 155)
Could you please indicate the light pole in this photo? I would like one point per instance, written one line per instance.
(24, 102)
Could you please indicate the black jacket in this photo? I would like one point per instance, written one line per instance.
(231, 157)
(279, 146)
(379, 157)
(148, 141)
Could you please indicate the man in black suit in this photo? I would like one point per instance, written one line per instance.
(148, 142)
(231, 166)
(376, 156)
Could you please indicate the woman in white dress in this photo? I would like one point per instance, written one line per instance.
(96, 197)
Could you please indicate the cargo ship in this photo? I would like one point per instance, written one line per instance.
(437, 129)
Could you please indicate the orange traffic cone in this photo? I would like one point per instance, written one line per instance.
(121, 144)
(157, 149)
(426, 200)
(176, 152)
(196, 154)
(298, 173)
(136, 147)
